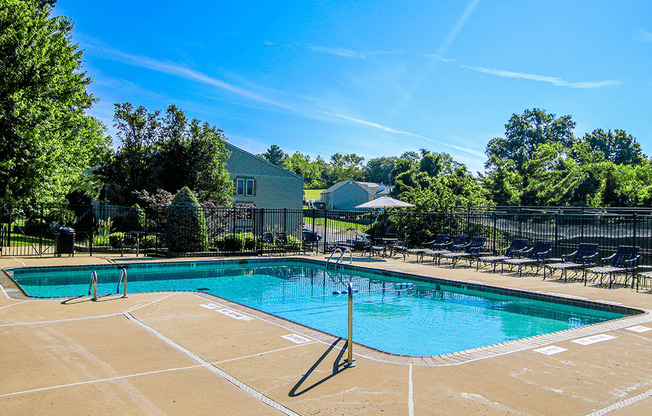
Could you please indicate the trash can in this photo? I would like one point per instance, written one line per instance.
(65, 241)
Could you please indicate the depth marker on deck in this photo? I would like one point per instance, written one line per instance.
(593, 339)
(639, 328)
(550, 350)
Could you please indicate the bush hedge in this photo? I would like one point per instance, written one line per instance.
(186, 230)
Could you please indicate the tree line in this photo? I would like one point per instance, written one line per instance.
(52, 150)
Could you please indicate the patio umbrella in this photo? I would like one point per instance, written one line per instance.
(385, 202)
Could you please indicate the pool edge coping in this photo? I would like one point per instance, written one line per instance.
(636, 315)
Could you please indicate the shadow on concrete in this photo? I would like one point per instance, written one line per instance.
(338, 367)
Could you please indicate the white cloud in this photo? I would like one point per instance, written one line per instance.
(407, 133)
(439, 58)
(558, 82)
(642, 35)
(349, 53)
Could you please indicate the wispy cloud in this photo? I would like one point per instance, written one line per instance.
(349, 53)
(439, 58)
(407, 133)
(558, 82)
(470, 8)
(642, 35)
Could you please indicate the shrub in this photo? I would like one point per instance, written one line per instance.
(186, 224)
(116, 240)
(236, 242)
(134, 219)
(147, 241)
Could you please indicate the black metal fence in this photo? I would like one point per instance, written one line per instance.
(36, 229)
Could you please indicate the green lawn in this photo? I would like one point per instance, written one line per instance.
(340, 225)
(312, 193)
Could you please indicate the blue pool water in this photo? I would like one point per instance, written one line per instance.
(429, 318)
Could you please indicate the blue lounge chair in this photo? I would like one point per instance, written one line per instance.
(622, 261)
(515, 248)
(535, 256)
(458, 244)
(471, 249)
(580, 259)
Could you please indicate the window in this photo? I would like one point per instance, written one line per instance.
(250, 187)
(239, 186)
(245, 187)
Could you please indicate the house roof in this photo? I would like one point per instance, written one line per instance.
(233, 147)
(371, 187)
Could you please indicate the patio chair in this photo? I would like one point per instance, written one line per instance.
(513, 250)
(579, 259)
(470, 250)
(458, 244)
(440, 241)
(534, 256)
(622, 261)
(643, 277)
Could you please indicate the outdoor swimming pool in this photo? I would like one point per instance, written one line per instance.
(426, 317)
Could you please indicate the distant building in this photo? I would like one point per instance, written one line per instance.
(346, 195)
(261, 184)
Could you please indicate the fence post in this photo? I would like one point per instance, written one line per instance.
(495, 224)
(92, 230)
(40, 232)
(556, 233)
(325, 228)
(634, 242)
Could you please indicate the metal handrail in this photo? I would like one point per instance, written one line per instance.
(342, 255)
(123, 280)
(93, 284)
(332, 254)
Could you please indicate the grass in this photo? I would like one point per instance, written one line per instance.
(312, 193)
(340, 225)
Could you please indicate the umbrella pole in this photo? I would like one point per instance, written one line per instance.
(350, 359)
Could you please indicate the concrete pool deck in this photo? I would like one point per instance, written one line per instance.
(171, 353)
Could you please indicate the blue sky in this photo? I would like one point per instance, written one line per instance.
(372, 78)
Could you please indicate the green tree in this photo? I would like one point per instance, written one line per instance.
(344, 167)
(158, 156)
(47, 141)
(618, 146)
(274, 155)
(310, 171)
(379, 169)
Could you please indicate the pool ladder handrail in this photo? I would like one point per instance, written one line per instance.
(123, 280)
(342, 253)
(93, 285)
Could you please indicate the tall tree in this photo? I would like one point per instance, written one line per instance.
(617, 146)
(47, 141)
(274, 155)
(379, 169)
(159, 156)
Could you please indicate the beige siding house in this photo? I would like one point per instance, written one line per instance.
(262, 184)
(346, 195)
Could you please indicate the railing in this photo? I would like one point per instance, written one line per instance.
(93, 285)
(123, 281)
(31, 230)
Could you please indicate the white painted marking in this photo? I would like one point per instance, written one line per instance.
(209, 306)
(593, 339)
(97, 381)
(13, 304)
(135, 308)
(62, 320)
(611, 302)
(255, 393)
(639, 328)
(3, 291)
(621, 404)
(234, 315)
(550, 350)
(260, 354)
(410, 393)
(297, 339)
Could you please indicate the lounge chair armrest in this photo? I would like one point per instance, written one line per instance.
(589, 259)
(632, 262)
(565, 256)
(542, 254)
(608, 258)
